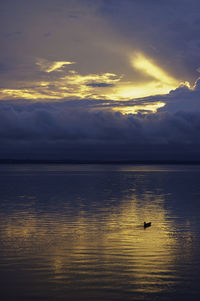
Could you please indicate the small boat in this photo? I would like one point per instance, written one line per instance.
(147, 224)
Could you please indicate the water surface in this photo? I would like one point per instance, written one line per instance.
(75, 232)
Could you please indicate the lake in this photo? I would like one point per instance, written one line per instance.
(75, 232)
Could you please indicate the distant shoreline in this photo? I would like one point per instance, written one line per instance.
(99, 162)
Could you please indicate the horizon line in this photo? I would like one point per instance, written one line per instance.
(134, 162)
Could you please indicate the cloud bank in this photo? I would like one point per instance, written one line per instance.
(82, 130)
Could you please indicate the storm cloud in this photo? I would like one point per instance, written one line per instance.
(68, 131)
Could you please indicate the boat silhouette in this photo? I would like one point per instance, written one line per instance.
(147, 224)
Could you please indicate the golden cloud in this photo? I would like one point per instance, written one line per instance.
(48, 66)
(71, 84)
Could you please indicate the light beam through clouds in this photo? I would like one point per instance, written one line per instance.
(69, 83)
(140, 62)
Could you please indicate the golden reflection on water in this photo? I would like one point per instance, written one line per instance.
(109, 241)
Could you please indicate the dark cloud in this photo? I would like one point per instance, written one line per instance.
(47, 34)
(183, 99)
(65, 130)
(15, 34)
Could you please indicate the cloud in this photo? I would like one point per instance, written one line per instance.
(48, 66)
(71, 83)
(15, 34)
(72, 130)
(73, 16)
(47, 34)
(99, 85)
(61, 85)
(183, 99)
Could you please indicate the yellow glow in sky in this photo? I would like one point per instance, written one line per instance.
(143, 64)
(131, 91)
(146, 108)
(71, 84)
(26, 94)
(159, 84)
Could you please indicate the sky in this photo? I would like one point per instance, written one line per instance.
(110, 80)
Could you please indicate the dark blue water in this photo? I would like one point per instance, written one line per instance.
(75, 232)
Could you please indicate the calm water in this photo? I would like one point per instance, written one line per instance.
(76, 232)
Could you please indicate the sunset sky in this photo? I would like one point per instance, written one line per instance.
(100, 79)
